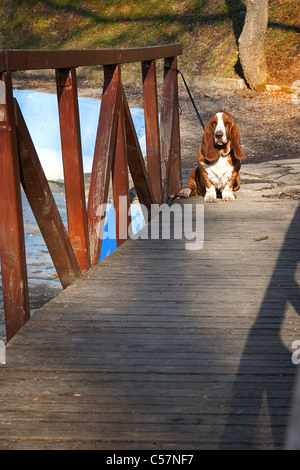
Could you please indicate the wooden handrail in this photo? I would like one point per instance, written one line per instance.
(117, 149)
(13, 60)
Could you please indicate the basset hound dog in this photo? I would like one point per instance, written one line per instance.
(219, 161)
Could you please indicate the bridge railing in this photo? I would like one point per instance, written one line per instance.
(75, 249)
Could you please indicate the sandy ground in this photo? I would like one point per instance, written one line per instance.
(269, 126)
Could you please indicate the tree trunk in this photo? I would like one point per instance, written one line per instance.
(251, 43)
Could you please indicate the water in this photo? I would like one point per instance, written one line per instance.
(40, 111)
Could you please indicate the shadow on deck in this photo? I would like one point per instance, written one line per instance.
(268, 351)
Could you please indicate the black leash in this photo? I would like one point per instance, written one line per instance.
(187, 89)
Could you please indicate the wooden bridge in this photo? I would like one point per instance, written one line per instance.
(157, 346)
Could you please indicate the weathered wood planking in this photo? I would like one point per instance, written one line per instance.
(158, 347)
(293, 437)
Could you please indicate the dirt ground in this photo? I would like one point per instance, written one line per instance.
(269, 122)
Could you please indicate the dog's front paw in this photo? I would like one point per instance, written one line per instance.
(228, 195)
(210, 195)
(185, 192)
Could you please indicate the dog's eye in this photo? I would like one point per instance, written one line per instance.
(227, 123)
(214, 124)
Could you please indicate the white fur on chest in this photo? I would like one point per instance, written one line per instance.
(219, 172)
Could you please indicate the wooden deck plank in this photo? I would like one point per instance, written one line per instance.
(170, 349)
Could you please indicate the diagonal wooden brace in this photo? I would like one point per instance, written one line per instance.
(103, 156)
(136, 162)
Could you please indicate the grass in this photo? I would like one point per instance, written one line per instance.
(208, 30)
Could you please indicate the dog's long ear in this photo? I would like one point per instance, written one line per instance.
(235, 142)
(208, 150)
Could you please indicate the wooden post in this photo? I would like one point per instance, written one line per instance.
(43, 206)
(104, 151)
(152, 128)
(12, 243)
(73, 166)
(120, 182)
(170, 134)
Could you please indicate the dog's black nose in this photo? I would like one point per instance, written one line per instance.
(219, 134)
